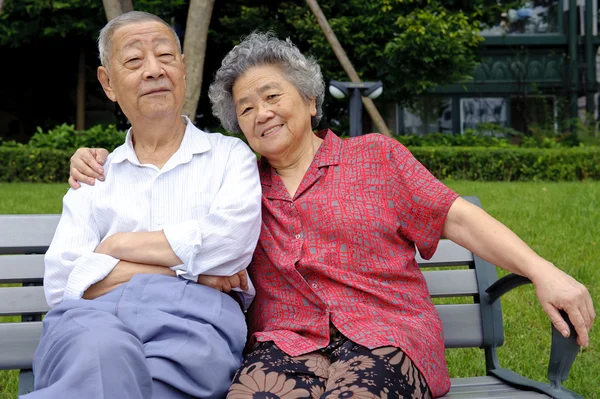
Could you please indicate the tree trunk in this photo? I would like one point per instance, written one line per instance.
(196, 32)
(80, 125)
(114, 8)
(1, 2)
(346, 64)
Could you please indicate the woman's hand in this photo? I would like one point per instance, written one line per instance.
(556, 291)
(86, 166)
(225, 283)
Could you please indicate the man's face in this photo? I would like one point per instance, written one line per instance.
(146, 74)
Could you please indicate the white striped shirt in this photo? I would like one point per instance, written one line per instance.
(206, 199)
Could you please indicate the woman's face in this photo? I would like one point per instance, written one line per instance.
(272, 114)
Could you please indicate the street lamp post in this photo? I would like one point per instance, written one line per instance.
(355, 91)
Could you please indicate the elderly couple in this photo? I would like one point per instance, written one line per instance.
(146, 274)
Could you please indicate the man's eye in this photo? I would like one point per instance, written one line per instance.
(166, 55)
(133, 60)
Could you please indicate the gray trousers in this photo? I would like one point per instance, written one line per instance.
(154, 337)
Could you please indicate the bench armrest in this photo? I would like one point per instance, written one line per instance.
(562, 353)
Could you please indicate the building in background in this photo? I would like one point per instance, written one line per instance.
(540, 65)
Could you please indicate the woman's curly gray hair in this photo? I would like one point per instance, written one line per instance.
(259, 49)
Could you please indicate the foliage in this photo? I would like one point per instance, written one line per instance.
(24, 21)
(34, 165)
(510, 164)
(65, 137)
(468, 139)
(28, 164)
(404, 43)
(427, 42)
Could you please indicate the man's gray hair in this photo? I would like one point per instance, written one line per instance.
(132, 17)
(259, 49)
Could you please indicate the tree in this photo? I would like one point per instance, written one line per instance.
(410, 45)
(114, 8)
(196, 35)
(26, 23)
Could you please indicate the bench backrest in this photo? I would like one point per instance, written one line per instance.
(25, 238)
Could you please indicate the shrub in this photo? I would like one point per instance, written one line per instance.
(34, 165)
(469, 163)
(65, 137)
(468, 139)
(511, 164)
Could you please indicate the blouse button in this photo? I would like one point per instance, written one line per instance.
(298, 236)
(315, 285)
(291, 205)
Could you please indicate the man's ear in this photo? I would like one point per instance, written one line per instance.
(104, 79)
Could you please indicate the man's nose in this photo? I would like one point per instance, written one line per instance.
(153, 68)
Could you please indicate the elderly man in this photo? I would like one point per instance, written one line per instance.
(182, 207)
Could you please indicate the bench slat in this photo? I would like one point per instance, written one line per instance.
(24, 234)
(486, 387)
(17, 344)
(447, 254)
(462, 325)
(494, 391)
(21, 269)
(22, 301)
(450, 283)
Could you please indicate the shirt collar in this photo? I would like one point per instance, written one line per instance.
(194, 142)
(329, 153)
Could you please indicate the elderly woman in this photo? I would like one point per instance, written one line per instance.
(342, 309)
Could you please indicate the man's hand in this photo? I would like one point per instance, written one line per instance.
(556, 291)
(86, 166)
(122, 273)
(225, 283)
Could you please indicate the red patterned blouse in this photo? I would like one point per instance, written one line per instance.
(343, 251)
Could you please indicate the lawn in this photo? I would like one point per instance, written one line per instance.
(560, 221)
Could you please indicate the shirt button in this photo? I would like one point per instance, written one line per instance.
(291, 205)
(315, 285)
(159, 221)
(298, 236)
(160, 176)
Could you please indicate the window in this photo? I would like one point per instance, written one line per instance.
(527, 17)
(428, 115)
(475, 111)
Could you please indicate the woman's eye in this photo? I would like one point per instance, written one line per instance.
(246, 110)
(272, 96)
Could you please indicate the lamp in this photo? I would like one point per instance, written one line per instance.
(355, 91)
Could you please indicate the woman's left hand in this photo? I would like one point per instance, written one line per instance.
(556, 291)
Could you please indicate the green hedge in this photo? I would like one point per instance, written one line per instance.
(34, 165)
(25, 164)
(511, 164)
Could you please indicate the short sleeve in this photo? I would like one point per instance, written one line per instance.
(421, 202)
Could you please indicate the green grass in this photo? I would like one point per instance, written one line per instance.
(560, 221)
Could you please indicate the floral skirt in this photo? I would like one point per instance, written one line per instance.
(342, 370)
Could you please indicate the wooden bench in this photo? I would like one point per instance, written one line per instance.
(25, 238)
